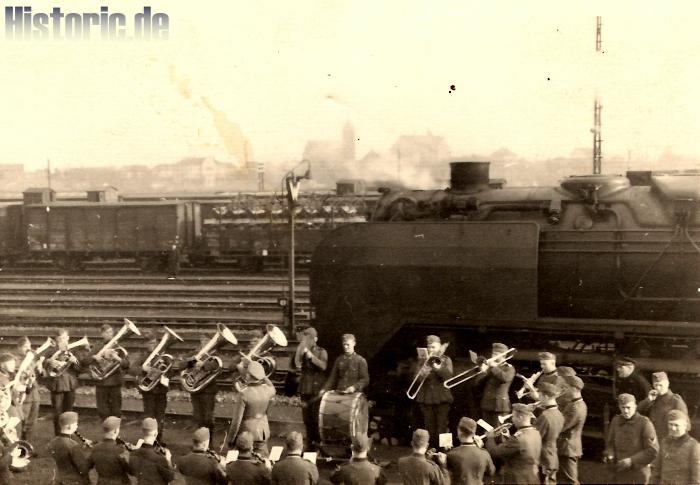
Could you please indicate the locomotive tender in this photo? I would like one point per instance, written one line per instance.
(602, 265)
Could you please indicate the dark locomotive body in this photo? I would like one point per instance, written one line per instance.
(600, 266)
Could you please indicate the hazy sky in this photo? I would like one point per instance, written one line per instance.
(284, 72)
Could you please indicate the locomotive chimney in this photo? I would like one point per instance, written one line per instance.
(469, 176)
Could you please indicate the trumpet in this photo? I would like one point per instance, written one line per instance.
(104, 367)
(503, 430)
(162, 364)
(424, 370)
(528, 384)
(61, 359)
(196, 377)
(477, 369)
(503, 419)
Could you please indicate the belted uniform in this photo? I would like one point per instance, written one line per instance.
(201, 468)
(105, 457)
(468, 464)
(348, 370)
(435, 399)
(359, 471)
(633, 438)
(569, 444)
(549, 423)
(71, 464)
(658, 409)
(495, 400)
(62, 389)
(678, 461)
(250, 414)
(521, 455)
(156, 400)
(294, 470)
(416, 469)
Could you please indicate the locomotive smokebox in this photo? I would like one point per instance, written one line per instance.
(469, 176)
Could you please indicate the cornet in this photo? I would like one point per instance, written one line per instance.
(424, 369)
(477, 369)
(528, 384)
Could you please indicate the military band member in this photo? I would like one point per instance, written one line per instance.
(108, 392)
(30, 406)
(499, 374)
(520, 452)
(631, 443)
(569, 443)
(549, 423)
(313, 361)
(548, 364)
(203, 401)
(294, 470)
(417, 469)
(148, 465)
(63, 386)
(659, 402)
(156, 400)
(349, 373)
(678, 460)
(468, 463)
(564, 396)
(247, 470)
(105, 456)
(250, 403)
(630, 380)
(71, 463)
(433, 397)
(8, 368)
(359, 471)
(200, 467)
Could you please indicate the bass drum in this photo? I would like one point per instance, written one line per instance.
(340, 417)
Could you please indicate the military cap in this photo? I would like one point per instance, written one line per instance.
(467, 425)
(626, 399)
(520, 408)
(677, 415)
(659, 377)
(498, 348)
(111, 423)
(432, 339)
(310, 332)
(294, 441)
(546, 356)
(244, 442)
(360, 442)
(547, 388)
(256, 371)
(566, 371)
(420, 438)
(574, 381)
(201, 435)
(5, 357)
(348, 336)
(149, 424)
(625, 361)
(68, 418)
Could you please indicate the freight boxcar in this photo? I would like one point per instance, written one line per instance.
(11, 229)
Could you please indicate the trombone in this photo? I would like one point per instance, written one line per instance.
(528, 384)
(478, 369)
(424, 370)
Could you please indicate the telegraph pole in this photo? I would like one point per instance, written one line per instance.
(597, 107)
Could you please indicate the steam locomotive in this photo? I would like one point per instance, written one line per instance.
(600, 266)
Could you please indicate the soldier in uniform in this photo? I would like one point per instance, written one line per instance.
(72, 466)
(203, 401)
(499, 375)
(417, 469)
(520, 452)
(313, 361)
(564, 396)
(294, 470)
(678, 460)
(105, 457)
(63, 386)
(359, 471)
(468, 463)
(433, 397)
(631, 443)
(246, 469)
(8, 368)
(548, 364)
(108, 392)
(30, 406)
(155, 400)
(549, 423)
(149, 465)
(250, 403)
(659, 402)
(569, 443)
(200, 467)
(630, 380)
(349, 373)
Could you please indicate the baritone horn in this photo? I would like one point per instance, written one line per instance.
(61, 359)
(424, 370)
(158, 362)
(104, 367)
(196, 377)
(477, 369)
(273, 337)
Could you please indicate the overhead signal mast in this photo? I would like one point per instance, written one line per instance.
(597, 107)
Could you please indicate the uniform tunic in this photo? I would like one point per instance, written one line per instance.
(633, 438)
(468, 464)
(155, 401)
(246, 471)
(549, 424)
(150, 467)
(250, 413)
(359, 472)
(348, 370)
(658, 409)
(108, 392)
(569, 443)
(678, 461)
(294, 470)
(498, 379)
(416, 469)
(71, 464)
(521, 455)
(435, 399)
(30, 406)
(111, 467)
(313, 376)
(201, 468)
(635, 384)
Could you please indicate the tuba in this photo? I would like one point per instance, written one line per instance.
(424, 370)
(103, 367)
(60, 360)
(273, 337)
(195, 378)
(158, 363)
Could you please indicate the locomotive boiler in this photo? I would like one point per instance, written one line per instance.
(602, 265)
